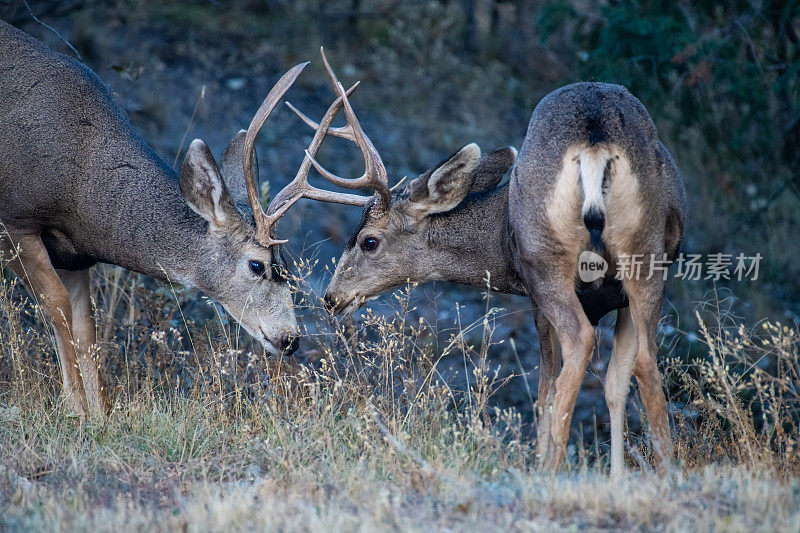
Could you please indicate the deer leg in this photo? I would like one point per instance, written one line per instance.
(617, 386)
(555, 296)
(577, 341)
(646, 301)
(84, 336)
(549, 364)
(32, 265)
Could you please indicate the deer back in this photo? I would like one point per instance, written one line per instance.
(73, 163)
(74, 171)
(592, 172)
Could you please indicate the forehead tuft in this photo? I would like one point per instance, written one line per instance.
(246, 214)
(398, 195)
(364, 218)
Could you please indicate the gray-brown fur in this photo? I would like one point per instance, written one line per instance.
(491, 169)
(77, 181)
(583, 119)
(419, 244)
(589, 147)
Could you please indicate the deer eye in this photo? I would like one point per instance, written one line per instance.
(369, 244)
(257, 267)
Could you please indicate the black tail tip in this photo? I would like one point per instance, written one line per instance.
(595, 221)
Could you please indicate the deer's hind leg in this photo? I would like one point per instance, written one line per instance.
(84, 336)
(32, 265)
(617, 386)
(549, 365)
(646, 299)
(554, 294)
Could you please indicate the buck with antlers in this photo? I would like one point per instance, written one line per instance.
(592, 175)
(78, 186)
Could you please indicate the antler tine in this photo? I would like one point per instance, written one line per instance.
(263, 222)
(299, 187)
(398, 184)
(375, 176)
(342, 132)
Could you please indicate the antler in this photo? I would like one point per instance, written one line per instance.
(374, 176)
(263, 221)
(299, 187)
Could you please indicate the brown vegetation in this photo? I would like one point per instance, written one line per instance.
(206, 433)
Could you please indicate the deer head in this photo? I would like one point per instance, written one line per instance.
(392, 245)
(242, 265)
(411, 240)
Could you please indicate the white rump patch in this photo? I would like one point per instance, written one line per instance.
(592, 162)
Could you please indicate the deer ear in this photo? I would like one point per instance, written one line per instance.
(492, 167)
(203, 188)
(232, 172)
(443, 187)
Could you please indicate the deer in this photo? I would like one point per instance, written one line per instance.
(591, 176)
(79, 186)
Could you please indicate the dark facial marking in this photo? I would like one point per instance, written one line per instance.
(364, 217)
(246, 212)
(277, 266)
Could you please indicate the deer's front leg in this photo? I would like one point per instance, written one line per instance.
(84, 336)
(32, 265)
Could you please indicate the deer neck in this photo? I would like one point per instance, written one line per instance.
(473, 239)
(154, 232)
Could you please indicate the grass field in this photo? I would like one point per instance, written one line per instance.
(166, 463)
(367, 435)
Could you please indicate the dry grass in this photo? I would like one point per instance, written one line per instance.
(368, 434)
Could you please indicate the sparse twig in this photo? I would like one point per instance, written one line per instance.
(52, 29)
(524, 376)
(189, 125)
(403, 450)
(640, 460)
